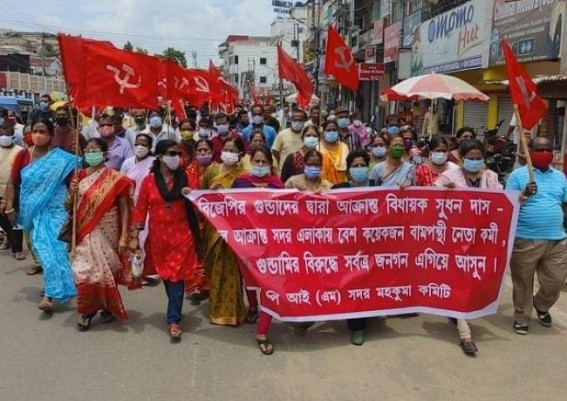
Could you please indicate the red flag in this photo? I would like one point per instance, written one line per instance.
(117, 77)
(339, 61)
(289, 69)
(523, 90)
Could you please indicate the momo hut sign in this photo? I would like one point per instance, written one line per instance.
(453, 41)
(368, 252)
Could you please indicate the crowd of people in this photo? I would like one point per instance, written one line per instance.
(126, 194)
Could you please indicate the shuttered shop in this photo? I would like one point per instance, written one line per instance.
(475, 115)
(505, 111)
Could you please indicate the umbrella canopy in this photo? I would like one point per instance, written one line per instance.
(433, 86)
(56, 105)
(293, 98)
(58, 96)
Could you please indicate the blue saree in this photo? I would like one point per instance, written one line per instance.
(43, 215)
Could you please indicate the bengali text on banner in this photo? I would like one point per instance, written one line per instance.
(368, 252)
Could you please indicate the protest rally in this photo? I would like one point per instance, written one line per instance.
(361, 187)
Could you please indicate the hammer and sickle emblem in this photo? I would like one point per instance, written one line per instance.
(528, 97)
(184, 83)
(124, 82)
(202, 84)
(344, 59)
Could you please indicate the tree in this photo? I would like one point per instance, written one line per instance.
(141, 50)
(175, 55)
(128, 47)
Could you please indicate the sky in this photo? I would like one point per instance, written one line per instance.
(187, 25)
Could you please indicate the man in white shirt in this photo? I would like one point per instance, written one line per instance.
(139, 116)
(158, 130)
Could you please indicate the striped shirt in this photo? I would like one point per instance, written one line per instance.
(541, 216)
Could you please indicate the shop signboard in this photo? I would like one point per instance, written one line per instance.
(370, 71)
(392, 42)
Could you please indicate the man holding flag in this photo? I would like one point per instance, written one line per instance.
(541, 242)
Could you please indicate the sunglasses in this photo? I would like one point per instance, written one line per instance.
(172, 153)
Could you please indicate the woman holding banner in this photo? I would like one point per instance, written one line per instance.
(472, 174)
(311, 179)
(426, 173)
(226, 302)
(394, 171)
(261, 176)
(103, 217)
(358, 173)
(174, 236)
(39, 175)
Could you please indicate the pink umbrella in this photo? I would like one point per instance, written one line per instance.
(433, 86)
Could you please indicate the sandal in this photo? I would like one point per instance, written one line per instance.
(19, 256)
(106, 317)
(469, 348)
(32, 271)
(85, 323)
(46, 305)
(175, 331)
(265, 346)
(5, 245)
(252, 316)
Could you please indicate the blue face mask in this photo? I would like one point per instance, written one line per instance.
(155, 122)
(379, 151)
(393, 130)
(473, 166)
(260, 171)
(343, 122)
(43, 105)
(312, 172)
(359, 174)
(310, 142)
(331, 136)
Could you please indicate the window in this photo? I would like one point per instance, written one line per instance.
(299, 30)
(236, 60)
(263, 80)
(263, 61)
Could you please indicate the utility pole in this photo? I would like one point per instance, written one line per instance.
(194, 55)
(318, 50)
(43, 61)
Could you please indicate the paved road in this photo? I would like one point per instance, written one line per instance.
(46, 359)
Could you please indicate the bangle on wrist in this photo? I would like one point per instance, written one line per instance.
(12, 210)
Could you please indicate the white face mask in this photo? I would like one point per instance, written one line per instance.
(438, 158)
(172, 162)
(229, 158)
(141, 151)
(6, 141)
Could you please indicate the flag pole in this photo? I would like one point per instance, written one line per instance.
(524, 143)
(75, 195)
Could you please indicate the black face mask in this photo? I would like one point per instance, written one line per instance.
(62, 121)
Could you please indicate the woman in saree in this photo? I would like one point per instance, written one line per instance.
(138, 166)
(198, 288)
(261, 176)
(221, 265)
(295, 162)
(334, 153)
(38, 188)
(174, 236)
(394, 171)
(311, 179)
(103, 218)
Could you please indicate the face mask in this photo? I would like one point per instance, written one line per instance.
(43, 106)
(359, 174)
(260, 171)
(357, 123)
(229, 158)
(155, 122)
(6, 141)
(257, 120)
(542, 160)
(62, 121)
(312, 172)
(393, 130)
(310, 142)
(416, 159)
(186, 135)
(297, 126)
(172, 162)
(438, 158)
(204, 159)
(397, 152)
(331, 136)
(141, 151)
(222, 129)
(379, 151)
(94, 158)
(40, 139)
(140, 120)
(204, 133)
(473, 166)
(343, 122)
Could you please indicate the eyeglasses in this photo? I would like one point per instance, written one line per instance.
(173, 153)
